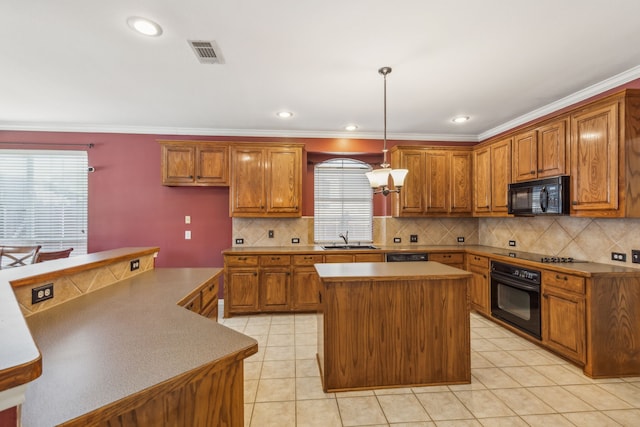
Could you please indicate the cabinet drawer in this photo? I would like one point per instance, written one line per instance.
(478, 260)
(275, 260)
(563, 281)
(307, 259)
(194, 304)
(454, 258)
(368, 257)
(338, 258)
(209, 293)
(240, 260)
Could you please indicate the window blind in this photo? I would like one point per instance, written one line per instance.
(43, 199)
(343, 201)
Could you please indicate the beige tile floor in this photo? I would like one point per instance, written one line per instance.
(514, 383)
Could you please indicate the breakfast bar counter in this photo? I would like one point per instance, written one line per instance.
(393, 325)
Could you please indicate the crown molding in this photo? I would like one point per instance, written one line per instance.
(581, 95)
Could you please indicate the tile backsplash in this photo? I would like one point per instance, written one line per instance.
(588, 239)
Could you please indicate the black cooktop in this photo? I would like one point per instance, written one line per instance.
(549, 259)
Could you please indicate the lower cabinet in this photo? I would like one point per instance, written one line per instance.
(563, 315)
(204, 300)
(305, 283)
(274, 289)
(454, 259)
(479, 290)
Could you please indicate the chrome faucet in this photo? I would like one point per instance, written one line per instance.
(345, 237)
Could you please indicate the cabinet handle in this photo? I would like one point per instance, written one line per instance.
(575, 202)
(539, 170)
(545, 295)
(255, 273)
(242, 258)
(198, 177)
(559, 277)
(484, 276)
(275, 258)
(532, 172)
(190, 176)
(211, 287)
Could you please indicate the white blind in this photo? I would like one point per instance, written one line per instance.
(343, 201)
(43, 199)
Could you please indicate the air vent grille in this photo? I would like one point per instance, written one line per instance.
(207, 52)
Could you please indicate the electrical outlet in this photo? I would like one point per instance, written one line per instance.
(239, 241)
(618, 256)
(295, 240)
(512, 242)
(271, 234)
(187, 219)
(397, 240)
(134, 264)
(42, 293)
(413, 238)
(635, 256)
(460, 239)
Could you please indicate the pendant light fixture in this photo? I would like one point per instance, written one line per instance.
(379, 178)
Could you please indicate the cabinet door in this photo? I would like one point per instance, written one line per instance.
(284, 181)
(460, 182)
(500, 175)
(274, 289)
(437, 182)
(212, 165)
(563, 323)
(525, 152)
(482, 183)
(305, 287)
(552, 148)
(247, 191)
(241, 290)
(411, 200)
(178, 164)
(594, 159)
(479, 289)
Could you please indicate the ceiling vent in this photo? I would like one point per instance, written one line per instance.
(206, 51)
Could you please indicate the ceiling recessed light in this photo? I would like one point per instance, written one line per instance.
(460, 119)
(350, 128)
(284, 114)
(144, 26)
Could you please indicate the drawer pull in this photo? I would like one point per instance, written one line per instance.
(211, 287)
(275, 258)
(565, 278)
(242, 258)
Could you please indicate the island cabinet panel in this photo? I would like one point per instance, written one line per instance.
(393, 333)
(208, 396)
(613, 310)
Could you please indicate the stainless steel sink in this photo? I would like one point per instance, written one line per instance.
(350, 247)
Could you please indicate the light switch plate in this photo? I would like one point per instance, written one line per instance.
(187, 234)
(187, 219)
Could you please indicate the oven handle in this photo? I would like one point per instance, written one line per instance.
(513, 283)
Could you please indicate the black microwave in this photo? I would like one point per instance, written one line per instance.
(549, 196)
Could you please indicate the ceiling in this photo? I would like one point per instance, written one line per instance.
(75, 65)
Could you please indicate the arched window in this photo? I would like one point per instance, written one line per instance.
(343, 201)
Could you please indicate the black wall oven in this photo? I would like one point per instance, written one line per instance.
(515, 297)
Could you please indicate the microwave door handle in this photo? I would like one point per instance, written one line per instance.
(544, 199)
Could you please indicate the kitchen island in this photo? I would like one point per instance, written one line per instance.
(393, 325)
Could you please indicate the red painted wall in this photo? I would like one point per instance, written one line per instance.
(9, 417)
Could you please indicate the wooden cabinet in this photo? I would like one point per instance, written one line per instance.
(605, 157)
(347, 257)
(305, 282)
(204, 300)
(563, 315)
(240, 284)
(275, 279)
(492, 172)
(266, 181)
(479, 291)
(191, 163)
(541, 152)
(438, 182)
(454, 259)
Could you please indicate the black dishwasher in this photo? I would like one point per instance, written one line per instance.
(406, 256)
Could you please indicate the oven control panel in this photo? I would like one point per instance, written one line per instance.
(530, 276)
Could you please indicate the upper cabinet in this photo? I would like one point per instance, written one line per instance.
(266, 180)
(492, 173)
(438, 182)
(540, 152)
(193, 163)
(605, 157)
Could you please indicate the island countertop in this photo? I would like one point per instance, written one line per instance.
(385, 271)
(120, 340)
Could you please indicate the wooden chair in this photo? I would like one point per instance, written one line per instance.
(16, 256)
(48, 256)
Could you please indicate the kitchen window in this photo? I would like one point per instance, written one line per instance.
(343, 201)
(43, 199)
